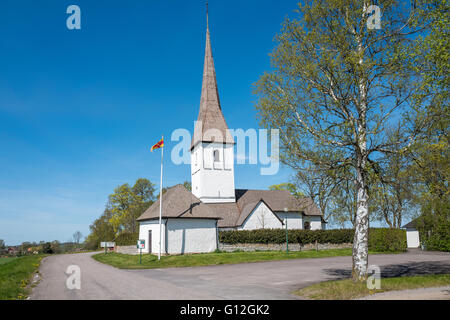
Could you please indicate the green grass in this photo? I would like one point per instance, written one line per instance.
(15, 276)
(150, 261)
(347, 289)
(4, 260)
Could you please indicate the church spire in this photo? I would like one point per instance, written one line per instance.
(210, 117)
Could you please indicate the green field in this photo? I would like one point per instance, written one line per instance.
(150, 261)
(7, 260)
(347, 289)
(15, 276)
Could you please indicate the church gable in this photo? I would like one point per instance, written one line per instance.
(261, 217)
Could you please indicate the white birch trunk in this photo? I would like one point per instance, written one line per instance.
(360, 241)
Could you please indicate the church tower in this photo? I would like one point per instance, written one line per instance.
(212, 148)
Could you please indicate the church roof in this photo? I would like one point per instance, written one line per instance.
(211, 125)
(276, 200)
(178, 202)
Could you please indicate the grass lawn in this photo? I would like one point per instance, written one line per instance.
(15, 275)
(4, 260)
(346, 289)
(150, 261)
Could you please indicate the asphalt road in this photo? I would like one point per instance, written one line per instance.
(261, 280)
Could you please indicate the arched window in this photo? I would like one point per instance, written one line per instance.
(216, 156)
(307, 225)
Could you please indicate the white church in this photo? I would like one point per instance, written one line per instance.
(191, 220)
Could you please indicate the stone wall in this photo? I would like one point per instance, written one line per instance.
(127, 249)
(277, 247)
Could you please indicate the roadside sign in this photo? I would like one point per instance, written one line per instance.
(107, 244)
(141, 244)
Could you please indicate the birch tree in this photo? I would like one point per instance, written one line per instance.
(334, 87)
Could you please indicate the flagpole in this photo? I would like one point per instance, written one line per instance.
(160, 200)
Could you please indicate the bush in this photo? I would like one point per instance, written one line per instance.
(47, 248)
(380, 239)
(279, 236)
(387, 240)
(127, 239)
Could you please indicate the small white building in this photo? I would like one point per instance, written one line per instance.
(191, 220)
(412, 235)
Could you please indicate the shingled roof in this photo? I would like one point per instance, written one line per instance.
(211, 125)
(178, 202)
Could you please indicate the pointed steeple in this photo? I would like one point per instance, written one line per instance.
(210, 119)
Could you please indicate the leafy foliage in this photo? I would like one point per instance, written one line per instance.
(128, 203)
(380, 239)
(127, 238)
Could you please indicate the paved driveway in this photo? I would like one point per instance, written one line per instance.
(262, 280)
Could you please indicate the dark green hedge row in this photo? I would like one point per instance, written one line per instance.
(279, 236)
(380, 239)
(385, 239)
(127, 239)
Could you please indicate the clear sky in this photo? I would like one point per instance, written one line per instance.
(79, 109)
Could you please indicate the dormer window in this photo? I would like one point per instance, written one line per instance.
(216, 156)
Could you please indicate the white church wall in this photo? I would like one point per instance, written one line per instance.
(191, 235)
(314, 221)
(294, 219)
(261, 218)
(153, 225)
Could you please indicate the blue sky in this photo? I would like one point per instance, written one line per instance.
(79, 109)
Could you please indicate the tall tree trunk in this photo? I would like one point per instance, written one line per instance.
(360, 241)
(361, 238)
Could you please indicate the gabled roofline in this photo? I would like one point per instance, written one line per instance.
(252, 210)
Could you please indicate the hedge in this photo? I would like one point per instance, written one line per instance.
(385, 239)
(127, 239)
(380, 239)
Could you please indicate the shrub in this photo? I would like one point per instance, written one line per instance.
(279, 236)
(127, 239)
(387, 240)
(380, 239)
(47, 248)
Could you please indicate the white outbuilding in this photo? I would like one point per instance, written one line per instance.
(412, 235)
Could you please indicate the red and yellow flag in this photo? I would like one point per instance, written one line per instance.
(158, 145)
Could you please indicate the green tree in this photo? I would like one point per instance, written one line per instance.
(334, 88)
(430, 61)
(101, 230)
(292, 188)
(393, 189)
(128, 203)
